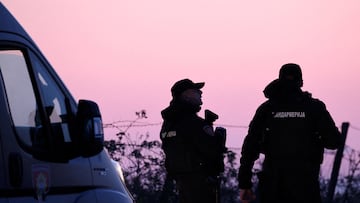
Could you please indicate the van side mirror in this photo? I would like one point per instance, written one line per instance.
(90, 128)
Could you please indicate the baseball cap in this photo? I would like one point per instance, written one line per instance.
(291, 72)
(185, 84)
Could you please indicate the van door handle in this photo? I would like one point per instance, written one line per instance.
(15, 169)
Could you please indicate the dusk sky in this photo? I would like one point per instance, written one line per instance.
(126, 54)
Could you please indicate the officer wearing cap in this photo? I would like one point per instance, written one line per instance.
(291, 129)
(190, 145)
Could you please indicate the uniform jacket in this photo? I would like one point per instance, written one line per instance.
(290, 127)
(188, 141)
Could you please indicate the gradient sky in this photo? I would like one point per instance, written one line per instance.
(126, 54)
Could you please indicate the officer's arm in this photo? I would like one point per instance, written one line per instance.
(251, 149)
(328, 132)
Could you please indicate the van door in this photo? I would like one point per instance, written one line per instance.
(39, 147)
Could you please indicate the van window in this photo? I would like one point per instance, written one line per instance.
(20, 94)
(54, 101)
(23, 104)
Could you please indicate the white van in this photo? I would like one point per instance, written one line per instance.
(51, 147)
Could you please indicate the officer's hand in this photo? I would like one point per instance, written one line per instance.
(247, 195)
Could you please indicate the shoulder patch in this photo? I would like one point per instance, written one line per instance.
(168, 134)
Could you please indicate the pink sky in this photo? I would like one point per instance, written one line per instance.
(125, 55)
